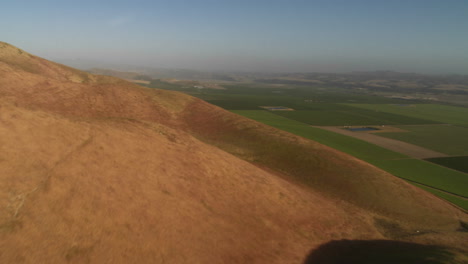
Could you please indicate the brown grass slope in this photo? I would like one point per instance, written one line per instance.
(98, 170)
(316, 166)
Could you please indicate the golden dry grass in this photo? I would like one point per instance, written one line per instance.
(102, 170)
(101, 190)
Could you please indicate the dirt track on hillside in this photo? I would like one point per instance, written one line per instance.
(391, 144)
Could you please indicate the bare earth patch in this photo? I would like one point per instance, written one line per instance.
(139, 81)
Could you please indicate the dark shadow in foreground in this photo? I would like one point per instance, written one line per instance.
(377, 251)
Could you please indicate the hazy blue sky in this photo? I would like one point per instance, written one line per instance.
(258, 35)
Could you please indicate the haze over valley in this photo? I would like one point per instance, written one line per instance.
(261, 36)
(234, 132)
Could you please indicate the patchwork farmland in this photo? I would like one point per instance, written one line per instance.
(440, 113)
(352, 116)
(439, 130)
(449, 139)
(457, 163)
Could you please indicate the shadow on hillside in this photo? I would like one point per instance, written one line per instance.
(377, 251)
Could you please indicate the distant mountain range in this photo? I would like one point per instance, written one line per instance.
(443, 88)
(189, 74)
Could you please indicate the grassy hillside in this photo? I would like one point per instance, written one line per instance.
(395, 163)
(354, 147)
(99, 169)
(306, 162)
(427, 173)
(23, 61)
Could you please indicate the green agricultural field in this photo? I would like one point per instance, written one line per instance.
(352, 146)
(328, 118)
(440, 113)
(250, 96)
(395, 163)
(461, 202)
(427, 173)
(456, 163)
(350, 117)
(451, 140)
(304, 93)
(329, 109)
(249, 102)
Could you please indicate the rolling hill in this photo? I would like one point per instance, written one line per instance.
(95, 169)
